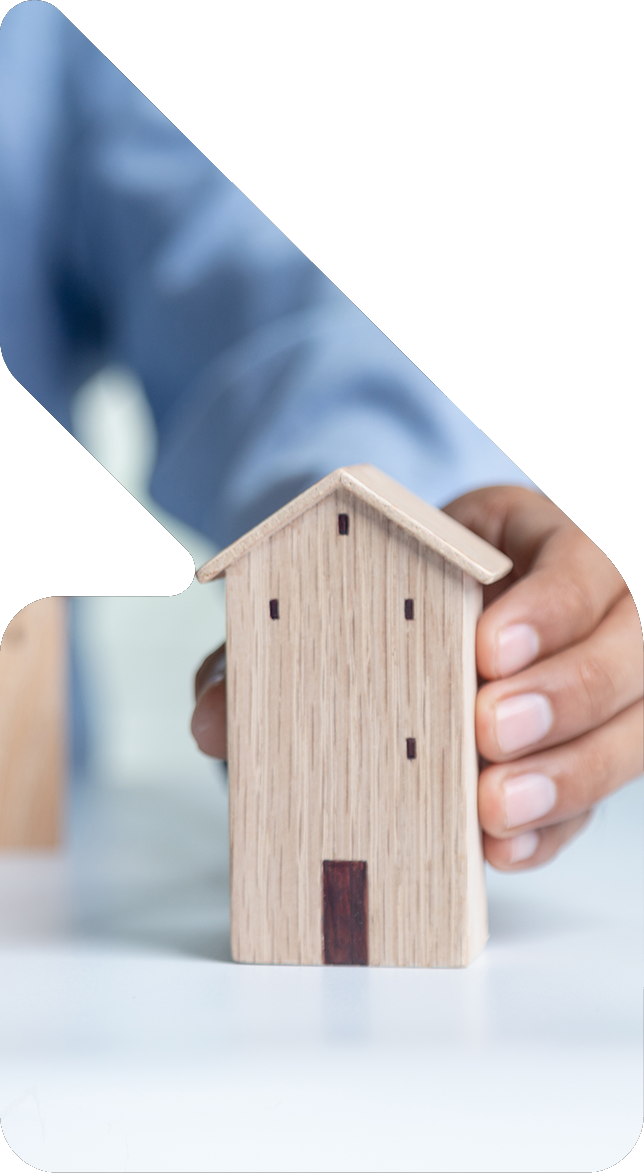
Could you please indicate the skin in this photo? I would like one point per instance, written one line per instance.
(586, 659)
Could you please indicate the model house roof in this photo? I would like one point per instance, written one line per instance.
(430, 526)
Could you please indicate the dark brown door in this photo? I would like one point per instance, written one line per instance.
(344, 885)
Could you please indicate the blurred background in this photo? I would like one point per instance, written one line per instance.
(146, 819)
(135, 658)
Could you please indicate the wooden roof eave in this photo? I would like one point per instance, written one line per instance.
(430, 526)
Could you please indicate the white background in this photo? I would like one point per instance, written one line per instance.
(469, 174)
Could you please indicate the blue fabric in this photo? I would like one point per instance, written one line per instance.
(121, 243)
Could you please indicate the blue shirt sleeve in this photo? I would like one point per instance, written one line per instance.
(121, 243)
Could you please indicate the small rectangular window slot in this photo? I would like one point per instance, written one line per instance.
(274, 607)
(343, 523)
(409, 608)
(411, 748)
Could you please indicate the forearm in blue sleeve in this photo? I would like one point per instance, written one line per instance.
(261, 376)
(320, 389)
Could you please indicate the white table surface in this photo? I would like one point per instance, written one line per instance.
(129, 1041)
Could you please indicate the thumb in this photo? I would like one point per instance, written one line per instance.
(209, 718)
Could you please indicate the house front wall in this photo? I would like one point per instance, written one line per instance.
(330, 688)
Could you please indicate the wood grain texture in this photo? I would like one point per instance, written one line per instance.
(431, 527)
(320, 707)
(345, 908)
(33, 713)
(477, 923)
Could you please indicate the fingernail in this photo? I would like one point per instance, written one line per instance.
(516, 646)
(527, 797)
(523, 846)
(217, 671)
(522, 721)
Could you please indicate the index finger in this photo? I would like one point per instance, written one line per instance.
(564, 584)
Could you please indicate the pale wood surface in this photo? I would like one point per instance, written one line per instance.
(477, 926)
(320, 704)
(431, 527)
(33, 657)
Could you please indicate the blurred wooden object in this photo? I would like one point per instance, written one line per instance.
(33, 719)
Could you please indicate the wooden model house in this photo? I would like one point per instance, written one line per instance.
(351, 681)
(33, 725)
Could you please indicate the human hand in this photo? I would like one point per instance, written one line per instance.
(209, 718)
(561, 722)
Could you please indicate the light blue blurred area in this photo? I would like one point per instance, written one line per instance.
(135, 658)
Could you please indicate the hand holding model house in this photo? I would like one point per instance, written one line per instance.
(559, 650)
(325, 683)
